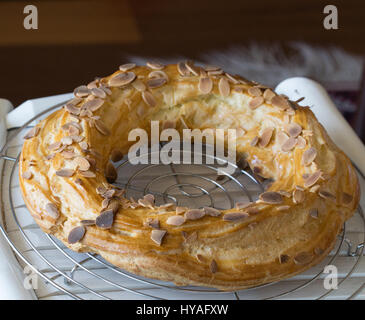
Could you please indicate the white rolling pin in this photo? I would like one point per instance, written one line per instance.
(328, 115)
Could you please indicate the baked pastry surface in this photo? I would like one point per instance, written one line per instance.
(66, 172)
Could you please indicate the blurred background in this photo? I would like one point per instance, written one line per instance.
(266, 41)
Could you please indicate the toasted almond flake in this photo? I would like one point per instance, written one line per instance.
(301, 142)
(87, 222)
(224, 88)
(255, 91)
(254, 141)
(82, 163)
(298, 196)
(27, 175)
(105, 219)
(194, 214)
(314, 189)
(101, 127)
(105, 203)
(213, 266)
(52, 210)
(127, 66)
(327, 195)
(180, 210)
(190, 66)
(87, 174)
(271, 197)
(280, 102)
(256, 102)
(243, 205)
(307, 133)
(65, 173)
(182, 69)
(93, 104)
(234, 216)
(313, 213)
(266, 137)
(158, 74)
(293, 129)
(149, 99)
(110, 173)
(106, 89)
(155, 65)
(68, 154)
(205, 85)
(312, 179)
(116, 155)
(55, 145)
(211, 211)
(139, 85)
(308, 156)
(157, 236)
(75, 101)
(83, 145)
(32, 133)
(76, 234)
(283, 208)
(92, 85)
(99, 93)
(145, 203)
(284, 258)
(231, 78)
(122, 79)
(268, 95)
(303, 258)
(109, 193)
(285, 193)
(70, 108)
(166, 205)
(152, 223)
(208, 68)
(156, 82)
(282, 137)
(346, 198)
(113, 205)
(289, 144)
(215, 72)
(81, 91)
(175, 220)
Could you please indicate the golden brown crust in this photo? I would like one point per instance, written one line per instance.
(319, 187)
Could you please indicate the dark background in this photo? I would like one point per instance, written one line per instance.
(80, 39)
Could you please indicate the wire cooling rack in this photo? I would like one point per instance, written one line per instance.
(65, 274)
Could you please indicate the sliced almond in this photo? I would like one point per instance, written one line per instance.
(293, 129)
(99, 93)
(157, 236)
(254, 141)
(283, 208)
(271, 197)
(190, 66)
(68, 154)
(101, 127)
(93, 104)
(155, 65)
(122, 79)
(158, 74)
(87, 222)
(194, 214)
(55, 146)
(213, 266)
(156, 82)
(308, 156)
(76, 234)
(127, 66)
(52, 210)
(280, 102)
(149, 99)
(88, 174)
(289, 144)
(32, 133)
(180, 210)
(139, 85)
(82, 163)
(81, 91)
(256, 102)
(65, 173)
(301, 142)
(231, 78)
(182, 69)
(105, 219)
(224, 88)
(243, 205)
(152, 223)
(211, 211)
(298, 196)
(70, 108)
(255, 91)
(175, 220)
(312, 179)
(268, 95)
(205, 85)
(266, 137)
(282, 137)
(234, 216)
